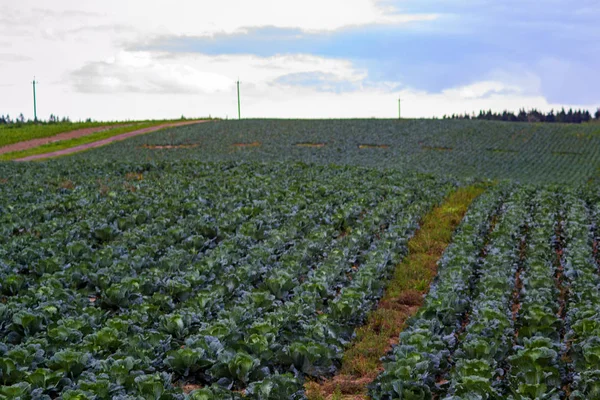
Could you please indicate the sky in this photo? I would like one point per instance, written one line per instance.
(144, 59)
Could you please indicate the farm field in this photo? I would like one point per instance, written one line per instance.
(514, 311)
(231, 276)
(528, 153)
(232, 261)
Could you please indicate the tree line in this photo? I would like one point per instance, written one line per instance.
(20, 120)
(533, 115)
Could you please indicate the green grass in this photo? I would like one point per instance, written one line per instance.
(403, 296)
(66, 144)
(10, 134)
(15, 133)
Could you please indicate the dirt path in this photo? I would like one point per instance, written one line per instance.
(98, 143)
(29, 144)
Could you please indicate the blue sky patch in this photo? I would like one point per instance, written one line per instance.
(556, 42)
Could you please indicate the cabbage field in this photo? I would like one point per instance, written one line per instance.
(229, 277)
(236, 260)
(514, 313)
(524, 152)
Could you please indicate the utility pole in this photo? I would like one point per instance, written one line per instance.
(238, 93)
(34, 102)
(399, 109)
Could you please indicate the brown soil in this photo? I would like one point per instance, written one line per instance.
(318, 145)
(29, 144)
(169, 146)
(103, 142)
(373, 146)
(187, 389)
(253, 144)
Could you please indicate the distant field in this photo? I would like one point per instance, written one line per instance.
(529, 153)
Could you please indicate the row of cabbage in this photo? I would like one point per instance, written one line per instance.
(523, 324)
(488, 330)
(129, 281)
(430, 338)
(583, 313)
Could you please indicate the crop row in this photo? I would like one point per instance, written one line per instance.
(533, 363)
(583, 315)
(426, 344)
(527, 326)
(223, 276)
(489, 332)
(308, 330)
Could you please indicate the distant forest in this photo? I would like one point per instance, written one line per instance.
(20, 120)
(533, 115)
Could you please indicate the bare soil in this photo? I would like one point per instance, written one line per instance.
(317, 145)
(373, 146)
(253, 144)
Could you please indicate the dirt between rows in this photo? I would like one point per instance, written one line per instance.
(99, 143)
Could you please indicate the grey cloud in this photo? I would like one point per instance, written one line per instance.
(103, 77)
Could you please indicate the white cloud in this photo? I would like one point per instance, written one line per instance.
(482, 89)
(517, 76)
(77, 49)
(142, 72)
(160, 72)
(12, 57)
(185, 17)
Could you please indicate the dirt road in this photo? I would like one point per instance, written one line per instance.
(99, 143)
(29, 144)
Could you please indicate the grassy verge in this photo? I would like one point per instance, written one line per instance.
(14, 133)
(361, 363)
(10, 134)
(66, 144)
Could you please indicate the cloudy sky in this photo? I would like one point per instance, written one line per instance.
(131, 59)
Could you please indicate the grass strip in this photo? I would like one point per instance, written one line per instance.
(66, 144)
(10, 134)
(403, 297)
